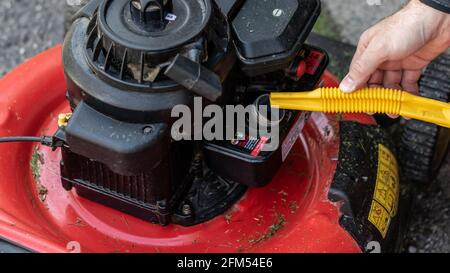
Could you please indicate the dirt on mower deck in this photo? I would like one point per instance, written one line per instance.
(29, 27)
(37, 160)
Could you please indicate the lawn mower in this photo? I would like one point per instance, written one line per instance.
(107, 175)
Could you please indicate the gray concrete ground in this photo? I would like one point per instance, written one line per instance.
(28, 27)
(352, 17)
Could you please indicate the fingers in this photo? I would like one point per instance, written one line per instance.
(410, 81)
(364, 65)
(392, 79)
(376, 80)
(413, 62)
(406, 80)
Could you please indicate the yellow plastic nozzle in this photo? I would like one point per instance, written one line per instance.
(368, 100)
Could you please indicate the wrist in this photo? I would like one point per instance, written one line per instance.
(441, 5)
(422, 6)
(442, 33)
(436, 24)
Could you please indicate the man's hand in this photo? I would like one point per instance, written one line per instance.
(394, 52)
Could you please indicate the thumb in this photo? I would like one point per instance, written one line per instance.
(362, 67)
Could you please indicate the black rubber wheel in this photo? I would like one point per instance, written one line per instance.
(423, 146)
(72, 7)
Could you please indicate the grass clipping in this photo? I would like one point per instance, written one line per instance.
(37, 160)
(271, 231)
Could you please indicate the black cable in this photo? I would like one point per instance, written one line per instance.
(20, 139)
(43, 139)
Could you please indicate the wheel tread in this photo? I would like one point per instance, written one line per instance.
(419, 139)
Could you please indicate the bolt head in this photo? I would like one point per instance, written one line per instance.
(277, 12)
(187, 210)
(148, 130)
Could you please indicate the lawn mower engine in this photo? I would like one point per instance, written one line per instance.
(129, 63)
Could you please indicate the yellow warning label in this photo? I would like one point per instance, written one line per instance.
(387, 190)
(380, 218)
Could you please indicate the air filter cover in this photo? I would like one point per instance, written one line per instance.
(270, 33)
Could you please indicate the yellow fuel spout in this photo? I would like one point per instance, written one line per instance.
(368, 100)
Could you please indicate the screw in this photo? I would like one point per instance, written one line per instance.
(136, 4)
(187, 210)
(148, 130)
(277, 12)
